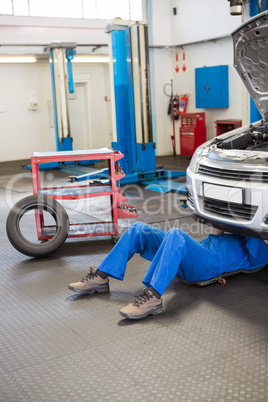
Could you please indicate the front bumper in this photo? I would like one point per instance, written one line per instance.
(250, 217)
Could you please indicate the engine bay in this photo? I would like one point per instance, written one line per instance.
(254, 139)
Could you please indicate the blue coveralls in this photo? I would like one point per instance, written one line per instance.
(175, 253)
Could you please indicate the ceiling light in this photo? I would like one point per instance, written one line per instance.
(17, 59)
(91, 59)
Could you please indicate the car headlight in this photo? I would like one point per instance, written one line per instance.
(194, 163)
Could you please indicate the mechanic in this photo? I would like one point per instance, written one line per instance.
(172, 253)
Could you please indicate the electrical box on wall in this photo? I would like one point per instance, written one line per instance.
(33, 106)
(212, 87)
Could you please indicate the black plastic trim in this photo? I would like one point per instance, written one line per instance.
(230, 228)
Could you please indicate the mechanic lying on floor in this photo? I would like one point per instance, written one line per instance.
(172, 253)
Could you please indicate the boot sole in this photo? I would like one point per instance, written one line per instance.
(105, 289)
(157, 310)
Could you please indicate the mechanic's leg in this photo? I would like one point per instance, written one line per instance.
(179, 255)
(176, 247)
(139, 238)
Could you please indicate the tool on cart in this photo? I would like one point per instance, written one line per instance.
(52, 236)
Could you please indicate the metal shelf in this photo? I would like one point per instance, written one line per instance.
(73, 192)
(83, 230)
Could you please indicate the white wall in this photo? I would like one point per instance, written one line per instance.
(24, 132)
(99, 109)
(161, 23)
(195, 21)
(160, 28)
(219, 52)
(198, 20)
(163, 72)
(201, 20)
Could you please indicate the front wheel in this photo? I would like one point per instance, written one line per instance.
(22, 231)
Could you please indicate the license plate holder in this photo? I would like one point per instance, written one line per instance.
(223, 193)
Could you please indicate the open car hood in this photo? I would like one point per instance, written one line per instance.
(251, 59)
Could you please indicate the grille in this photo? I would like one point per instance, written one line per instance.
(230, 209)
(190, 199)
(261, 177)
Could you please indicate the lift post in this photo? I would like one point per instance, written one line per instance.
(131, 101)
(59, 53)
(60, 58)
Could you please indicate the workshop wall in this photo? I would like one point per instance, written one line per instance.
(215, 53)
(195, 21)
(201, 20)
(159, 22)
(24, 131)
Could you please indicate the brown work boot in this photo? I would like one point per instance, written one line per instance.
(92, 283)
(143, 306)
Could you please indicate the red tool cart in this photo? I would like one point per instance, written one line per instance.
(192, 132)
(118, 209)
(52, 233)
(223, 126)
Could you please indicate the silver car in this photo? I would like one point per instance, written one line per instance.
(227, 179)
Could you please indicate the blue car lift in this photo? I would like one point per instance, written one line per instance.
(60, 58)
(58, 52)
(139, 162)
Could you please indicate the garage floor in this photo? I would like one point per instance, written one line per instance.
(210, 344)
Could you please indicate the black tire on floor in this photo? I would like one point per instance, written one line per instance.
(20, 242)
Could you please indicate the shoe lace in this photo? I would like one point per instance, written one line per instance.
(92, 273)
(143, 298)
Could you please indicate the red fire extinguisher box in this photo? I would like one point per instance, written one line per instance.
(192, 132)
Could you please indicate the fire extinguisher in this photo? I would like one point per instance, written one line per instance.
(183, 104)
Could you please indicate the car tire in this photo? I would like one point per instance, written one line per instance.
(43, 248)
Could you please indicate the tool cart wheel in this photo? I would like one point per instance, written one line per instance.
(222, 281)
(22, 231)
